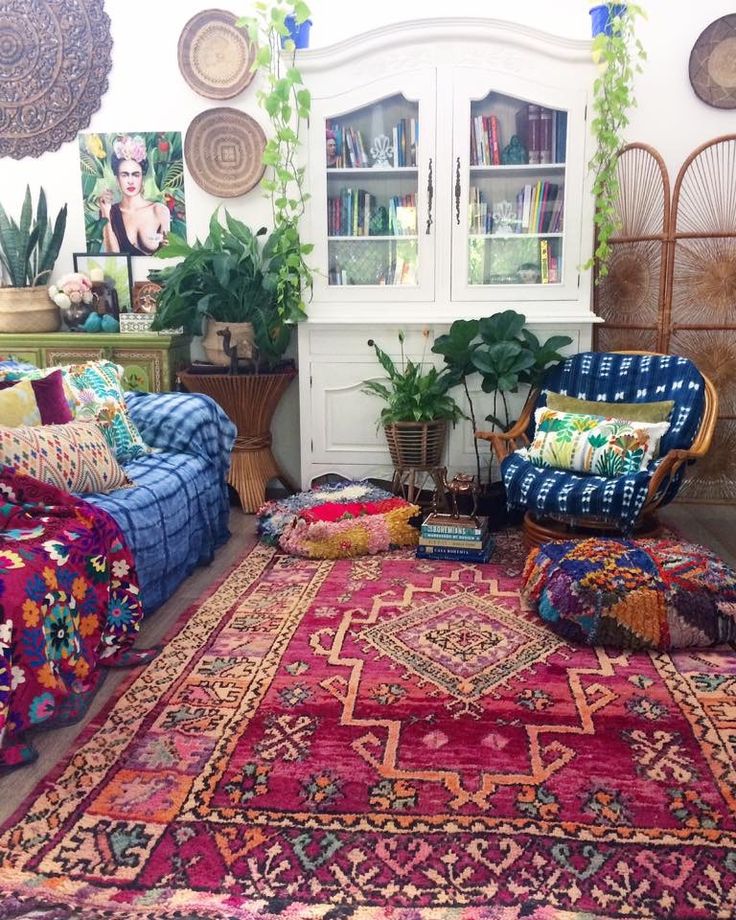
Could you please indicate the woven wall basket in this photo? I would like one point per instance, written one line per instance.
(28, 309)
(417, 445)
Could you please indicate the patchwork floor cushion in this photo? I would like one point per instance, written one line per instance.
(638, 594)
(339, 521)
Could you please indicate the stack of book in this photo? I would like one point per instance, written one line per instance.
(463, 538)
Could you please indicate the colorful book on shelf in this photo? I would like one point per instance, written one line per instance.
(451, 540)
(545, 135)
(560, 139)
(464, 526)
(544, 261)
(457, 553)
(406, 220)
(528, 130)
(495, 141)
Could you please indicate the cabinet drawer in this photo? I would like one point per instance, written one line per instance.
(150, 361)
(143, 369)
(32, 355)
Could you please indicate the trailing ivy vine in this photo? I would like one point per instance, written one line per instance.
(287, 102)
(619, 57)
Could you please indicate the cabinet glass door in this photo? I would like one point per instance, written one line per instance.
(513, 181)
(374, 208)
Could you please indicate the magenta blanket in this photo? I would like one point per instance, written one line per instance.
(68, 601)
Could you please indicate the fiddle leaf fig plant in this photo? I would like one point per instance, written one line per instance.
(287, 102)
(504, 353)
(619, 55)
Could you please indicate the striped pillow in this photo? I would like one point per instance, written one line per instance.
(74, 457)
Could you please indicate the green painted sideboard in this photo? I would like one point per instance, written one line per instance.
(151, 361)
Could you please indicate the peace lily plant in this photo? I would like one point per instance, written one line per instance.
(619, 55)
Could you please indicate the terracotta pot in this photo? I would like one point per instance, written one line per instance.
(28, 309)
(241, 334)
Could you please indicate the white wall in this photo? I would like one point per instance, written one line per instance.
(146, 93)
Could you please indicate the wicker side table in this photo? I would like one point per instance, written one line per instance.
(250, 401)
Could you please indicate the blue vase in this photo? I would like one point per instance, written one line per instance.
(601, 16)
(299, 32)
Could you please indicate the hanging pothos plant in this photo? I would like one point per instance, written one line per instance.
(619, 55)
(287, 102)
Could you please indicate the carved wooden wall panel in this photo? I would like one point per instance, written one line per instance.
(55, 56)
(671, 284)
(630, 296)
(699, 315)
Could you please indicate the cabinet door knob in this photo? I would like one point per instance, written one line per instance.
(430, 197)
(457, 190)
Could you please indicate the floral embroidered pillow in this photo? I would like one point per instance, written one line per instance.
(97, 386)
(95, 394)
(594, 444)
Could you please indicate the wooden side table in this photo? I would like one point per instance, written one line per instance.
(250, 400)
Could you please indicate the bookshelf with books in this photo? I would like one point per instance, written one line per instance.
(426, 210)
(516, 189)
(372, 196)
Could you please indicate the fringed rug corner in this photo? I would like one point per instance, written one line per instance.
(388, 737)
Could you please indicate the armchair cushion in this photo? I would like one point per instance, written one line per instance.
(178, 513)
(636, 378)
(187, 423)
(560, 493)
(615, 378)
(593, 444)
(74, 457)
(635, 412)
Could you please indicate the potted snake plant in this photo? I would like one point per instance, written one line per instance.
(29, 248)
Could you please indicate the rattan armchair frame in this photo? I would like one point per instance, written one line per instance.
(536, 529)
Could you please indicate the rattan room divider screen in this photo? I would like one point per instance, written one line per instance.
(671, 284)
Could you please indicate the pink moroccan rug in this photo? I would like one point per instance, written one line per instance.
(389, 738)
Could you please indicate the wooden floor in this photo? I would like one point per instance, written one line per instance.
(711, 525)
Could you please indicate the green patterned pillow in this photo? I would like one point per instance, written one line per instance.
(634, 412)
(593, 443)
(97, 386)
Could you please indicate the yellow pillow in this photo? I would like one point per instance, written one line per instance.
(634, 412)
(74, 457)
(18, 405)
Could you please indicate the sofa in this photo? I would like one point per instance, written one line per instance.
(176, 514)
(80, 567)
(173, 447)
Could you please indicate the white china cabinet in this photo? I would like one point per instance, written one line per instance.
(446, 161)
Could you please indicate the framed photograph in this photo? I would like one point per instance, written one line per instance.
(145, 296)
(113, 269)
(133, 190)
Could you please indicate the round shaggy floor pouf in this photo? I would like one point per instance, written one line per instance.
(638, 594)
(339, 522)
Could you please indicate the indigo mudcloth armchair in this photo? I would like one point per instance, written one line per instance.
(624, 503)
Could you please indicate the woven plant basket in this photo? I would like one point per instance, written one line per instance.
(417, 445)
(28, 309)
